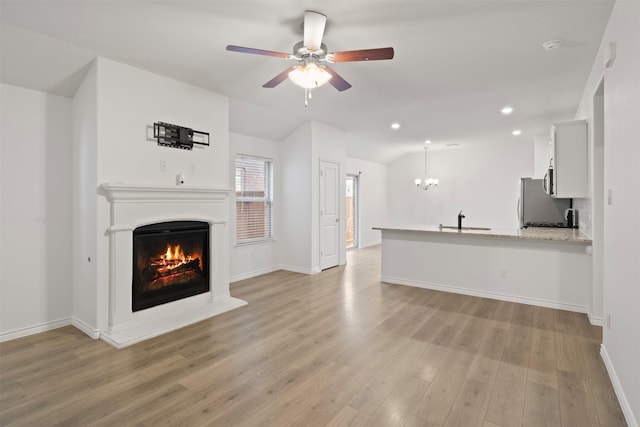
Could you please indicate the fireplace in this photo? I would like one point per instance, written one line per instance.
(170, 262)
(142, 297)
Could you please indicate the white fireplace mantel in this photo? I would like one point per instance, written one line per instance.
(127, 193)
(132, 206)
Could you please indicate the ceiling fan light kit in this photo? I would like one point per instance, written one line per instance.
(313, 54)
(309, 76)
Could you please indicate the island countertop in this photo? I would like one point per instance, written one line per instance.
(567, 235)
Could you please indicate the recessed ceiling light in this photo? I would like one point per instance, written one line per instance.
(506, 110)
(395, 125)
(516, 132)
(428, 141)
(551, 44)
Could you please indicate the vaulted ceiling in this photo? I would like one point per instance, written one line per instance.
(457, 63)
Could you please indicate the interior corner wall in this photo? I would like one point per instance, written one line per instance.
(328, 143)
(84, 161)
(295, 209)
(255, 259)
(35, 211)
(483, 181)
(372, 195)
(621, 270)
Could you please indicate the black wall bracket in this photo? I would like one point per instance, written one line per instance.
(175, 136)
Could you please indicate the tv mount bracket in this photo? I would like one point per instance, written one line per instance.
(175, 136)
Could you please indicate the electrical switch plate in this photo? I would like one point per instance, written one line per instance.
(609, 197)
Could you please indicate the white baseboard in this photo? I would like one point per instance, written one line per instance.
(299, 269)
(86, 328)
(617, 387)
(595, 320)
(484, 294)
(254, 273)
(291, 268)
(36, 329)
(369, 244)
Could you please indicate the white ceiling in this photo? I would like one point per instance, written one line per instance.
(456, 62)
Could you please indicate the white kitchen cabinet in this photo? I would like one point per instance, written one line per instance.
(569, 159)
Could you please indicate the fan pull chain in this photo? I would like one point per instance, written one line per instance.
(307, 96)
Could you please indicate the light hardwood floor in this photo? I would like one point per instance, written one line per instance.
(337, 348)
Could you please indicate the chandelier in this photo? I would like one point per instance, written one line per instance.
(427, 183)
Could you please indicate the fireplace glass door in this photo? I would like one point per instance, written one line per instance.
(170, 262)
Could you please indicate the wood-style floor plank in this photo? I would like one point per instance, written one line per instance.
(337, 348)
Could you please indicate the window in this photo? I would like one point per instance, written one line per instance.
(254, 199)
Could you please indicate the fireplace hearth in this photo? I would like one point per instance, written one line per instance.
(170, 262)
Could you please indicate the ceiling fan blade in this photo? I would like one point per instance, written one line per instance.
(337, 81)
(314, 23)
(241, 49)
(363, 55)
(277, 79)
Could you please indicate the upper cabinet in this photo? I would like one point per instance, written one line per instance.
(569, 159)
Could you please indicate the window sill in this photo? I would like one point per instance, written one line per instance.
(254, 242)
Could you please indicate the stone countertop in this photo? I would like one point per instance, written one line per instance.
(567, 235)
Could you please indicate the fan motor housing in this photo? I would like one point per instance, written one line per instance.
(300, 51)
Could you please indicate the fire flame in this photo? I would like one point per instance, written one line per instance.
(176, 254)
(174, 257)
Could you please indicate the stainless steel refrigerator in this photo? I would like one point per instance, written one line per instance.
(537, 209)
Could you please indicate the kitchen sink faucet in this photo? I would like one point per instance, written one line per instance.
(460, 216)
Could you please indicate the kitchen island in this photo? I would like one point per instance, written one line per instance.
(549, 267)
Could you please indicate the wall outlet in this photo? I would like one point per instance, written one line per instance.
(609, 321)
(163, 165)
(504, 274)
(192, 167)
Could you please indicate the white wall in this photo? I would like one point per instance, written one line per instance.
(328, 143)
(264, 257)
(130, 101)
(295, 209)
(122, 103)
(621, 292)
(372, 180)
(542, 155)
(84, 167)
(483, 181)
(299, 214)
(35, 191)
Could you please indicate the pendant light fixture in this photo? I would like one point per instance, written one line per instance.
(428, 182)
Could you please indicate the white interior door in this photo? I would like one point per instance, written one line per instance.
(329, 214)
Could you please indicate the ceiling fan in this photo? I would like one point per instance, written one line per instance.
(312, 56)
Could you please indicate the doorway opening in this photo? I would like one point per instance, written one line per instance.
(352, 195)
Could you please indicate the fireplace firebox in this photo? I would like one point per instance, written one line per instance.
(170, 262)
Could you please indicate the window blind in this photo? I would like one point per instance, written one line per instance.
(254, 200)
